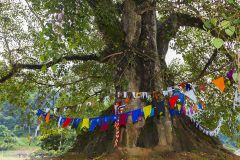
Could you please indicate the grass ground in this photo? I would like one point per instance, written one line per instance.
(20, 151)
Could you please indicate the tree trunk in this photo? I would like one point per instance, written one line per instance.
(144, 69)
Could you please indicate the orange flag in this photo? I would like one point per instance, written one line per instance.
(219, 83)
(47, 117)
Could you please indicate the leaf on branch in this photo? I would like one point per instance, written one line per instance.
(214, 21)
(44, 68)
(217, 42)
(54, 68)
(230, 30)
(231, 1)
(208, 24)
(236, 21)
(225, 24)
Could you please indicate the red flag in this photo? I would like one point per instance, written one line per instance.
(202, 87)
(173, 101)
(67, 122)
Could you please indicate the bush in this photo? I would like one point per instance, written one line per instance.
(7, 138)
(57, 139)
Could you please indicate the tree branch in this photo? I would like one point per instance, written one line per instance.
(92, 57)
(61, 84)
(176, 20)
(8, 76)
(19, 66)
(214, 55)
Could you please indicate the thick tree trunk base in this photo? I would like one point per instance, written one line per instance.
(187, 141)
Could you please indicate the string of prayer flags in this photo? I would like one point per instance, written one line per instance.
(147, 111)
(173, 101)
(219, 82)
(67, 122)
(207, 132)
(85, 123)
(191, 95)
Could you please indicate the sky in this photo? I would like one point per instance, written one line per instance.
(171, 54)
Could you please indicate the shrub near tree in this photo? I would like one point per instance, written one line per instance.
(7, 138)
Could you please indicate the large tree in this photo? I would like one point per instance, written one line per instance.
(78, 49)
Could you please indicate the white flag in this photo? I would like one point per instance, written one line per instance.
(191, 95)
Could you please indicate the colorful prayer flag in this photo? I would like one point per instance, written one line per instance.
(219, 83)
(147, 111)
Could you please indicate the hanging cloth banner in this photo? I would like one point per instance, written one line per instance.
(136, 114)
(182, 98)
(94, 123)
(85, 123)
(67, 122)
(147, 111)
(123, 119)
(76, 122)
(47, 117)
(191, 95)
(219, 83)
(230, 74)
(202, 87)
(188, 87)
(104, 125)
(207, 132)
(60, 121)
(173, 101)
(179, 107)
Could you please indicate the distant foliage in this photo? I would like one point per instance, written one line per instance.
(7, 138)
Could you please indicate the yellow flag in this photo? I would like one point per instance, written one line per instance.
(179, 107)
(147, 111)
(85, 123)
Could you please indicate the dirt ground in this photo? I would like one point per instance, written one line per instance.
(145, 154)
(20, 154)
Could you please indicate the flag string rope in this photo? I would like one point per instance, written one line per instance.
(146, 111)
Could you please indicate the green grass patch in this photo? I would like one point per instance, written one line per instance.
(23, 142)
